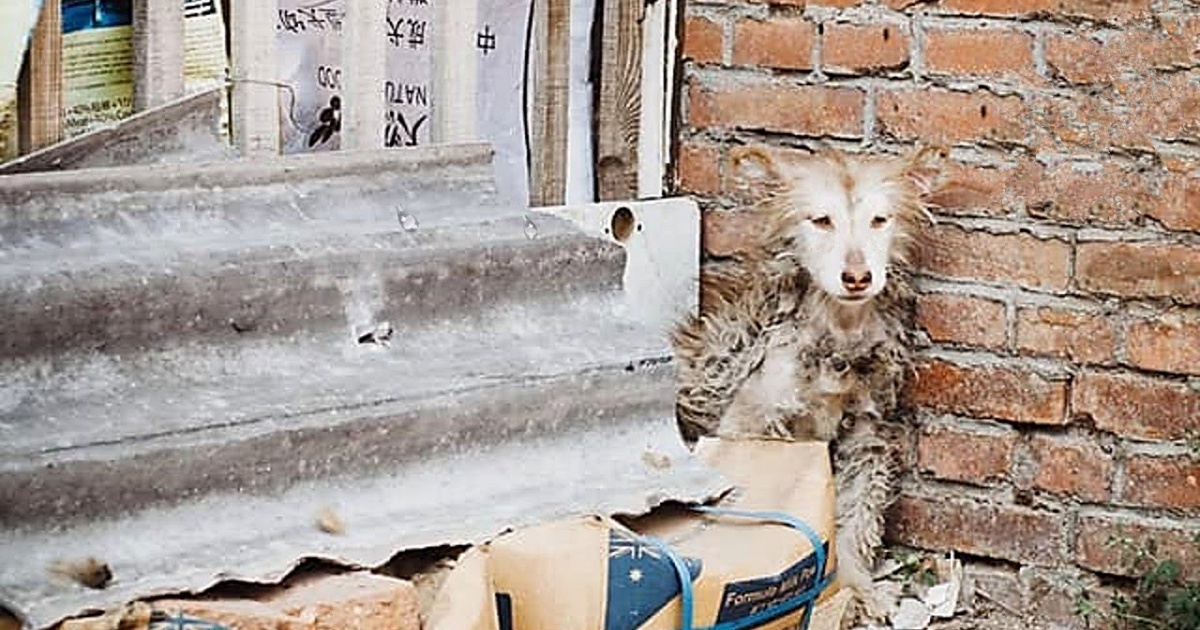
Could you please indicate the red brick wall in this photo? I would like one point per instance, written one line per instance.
(1061, 293)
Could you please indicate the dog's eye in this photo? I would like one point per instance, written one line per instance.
(879, 222)
(823, 222)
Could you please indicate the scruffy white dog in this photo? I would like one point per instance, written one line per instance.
(808, 338)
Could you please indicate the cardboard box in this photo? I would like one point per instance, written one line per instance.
(747, 569)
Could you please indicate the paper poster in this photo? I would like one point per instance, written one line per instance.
(309, 40)
(309, 36)
(97, 63)
(98, 58)
(501, 44)
(205, 59)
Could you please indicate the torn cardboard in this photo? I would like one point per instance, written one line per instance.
(593, 572)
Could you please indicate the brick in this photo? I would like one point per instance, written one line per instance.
(855, 49)
(777, 106)
(1081, 194)
(999, 7)
(352, 600)
(992, 53)
(1010, 394)
(1084, 60)
(1095, 548)
(775, 43)
(243, 614)
(1168, 345)
(944, 117)
(1179, 208)
(1005, 532)
(729, 233)
(940, 453)
(703, 40)
(1162, 482)
(1136, 406)
(1117, 11)
(1000, 583)
(1074, 193)
(1079, 337)
(1135, 114)
(970, 189)
(699, 168)
(962, 320)
(1073, 467)
(1139, 270)
(1018, 259)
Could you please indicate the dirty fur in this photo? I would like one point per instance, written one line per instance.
(774, 353)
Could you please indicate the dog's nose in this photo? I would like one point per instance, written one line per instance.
(856, 281)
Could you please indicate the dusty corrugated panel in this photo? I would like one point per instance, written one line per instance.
(199, 359)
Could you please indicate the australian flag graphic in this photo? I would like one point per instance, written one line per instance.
(641, 580)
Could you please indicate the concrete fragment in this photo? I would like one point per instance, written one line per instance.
(352, 600)
(912, 615)
(942, 599)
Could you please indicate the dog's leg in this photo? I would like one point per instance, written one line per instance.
(864, 475)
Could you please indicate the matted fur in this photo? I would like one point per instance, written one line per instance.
(773, 354)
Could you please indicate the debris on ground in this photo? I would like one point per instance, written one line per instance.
(924, 589)
(357, 599)
(90, 572)
(329, 522)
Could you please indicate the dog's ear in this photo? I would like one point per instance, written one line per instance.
(925, 168)
(754, 165)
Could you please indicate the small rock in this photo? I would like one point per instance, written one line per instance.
(329, 522)
(942, 600)
(889, 593)
(89, 572)
(656, 460)
(912, 615)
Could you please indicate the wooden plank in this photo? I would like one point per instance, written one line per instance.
(364, 67)
(651, 149)
(619, 106)
(670, 124)
(455, 73)
(40, 94)
(548, 159)
(255, 95)
(157, 52)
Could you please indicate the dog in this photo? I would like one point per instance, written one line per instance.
(809, 336)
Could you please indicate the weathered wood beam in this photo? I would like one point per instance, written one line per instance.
(548, 162)
(157, 52)
(40, 93)
(364, 67)
(255, 97)
(619, 105)
(455, 73)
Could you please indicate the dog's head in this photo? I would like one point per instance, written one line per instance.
(844, 218)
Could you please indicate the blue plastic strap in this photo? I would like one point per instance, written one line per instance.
(805, 599)
(685, 580)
